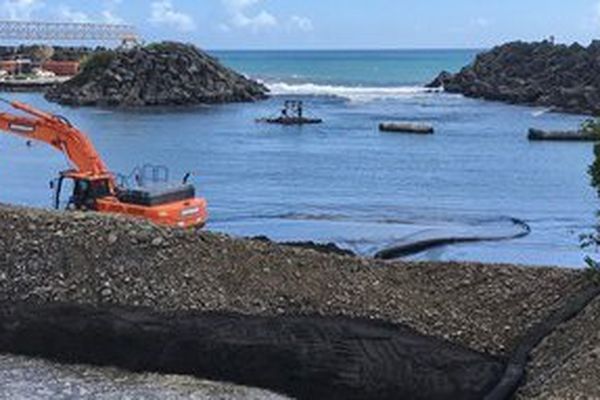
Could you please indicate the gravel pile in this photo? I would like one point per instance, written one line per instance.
(94, 259)
(161, 74)
(30, 379)
(567, 364)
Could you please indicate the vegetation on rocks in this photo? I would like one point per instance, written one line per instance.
(92, 65)
(593, 240)
(566, 78)
(159, 74)
(591, 127)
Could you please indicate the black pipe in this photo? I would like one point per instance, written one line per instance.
(412, 248)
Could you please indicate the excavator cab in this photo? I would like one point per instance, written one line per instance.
(84, 194)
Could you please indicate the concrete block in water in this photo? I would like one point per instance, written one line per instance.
(574, 136)
(406, 127)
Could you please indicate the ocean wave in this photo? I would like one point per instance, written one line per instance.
(353, 93)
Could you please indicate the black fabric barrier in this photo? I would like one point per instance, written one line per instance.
(304, 357)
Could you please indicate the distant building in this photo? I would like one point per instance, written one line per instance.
(17, 67)
(27, 66)
(62, 68)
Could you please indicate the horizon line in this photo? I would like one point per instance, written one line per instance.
(355, 49)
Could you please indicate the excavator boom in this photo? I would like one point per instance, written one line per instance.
(58, 133)
(94, 184)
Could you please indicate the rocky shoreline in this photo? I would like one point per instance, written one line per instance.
(106, 261)
(563, 78)
(161, 74)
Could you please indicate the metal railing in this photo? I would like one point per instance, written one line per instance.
(22, 30)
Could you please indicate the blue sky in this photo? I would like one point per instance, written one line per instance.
(329, 24)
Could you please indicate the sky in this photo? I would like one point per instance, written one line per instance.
(330, 24)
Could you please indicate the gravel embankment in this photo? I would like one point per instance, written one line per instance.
(94, 259)
(30, 379)
(567, 364)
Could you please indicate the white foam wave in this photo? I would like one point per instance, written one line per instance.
(353, 93)
(540, 112)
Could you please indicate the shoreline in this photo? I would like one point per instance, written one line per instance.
(30, 85)
(104, 261)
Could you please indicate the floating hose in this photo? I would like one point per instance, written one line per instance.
(419, 246)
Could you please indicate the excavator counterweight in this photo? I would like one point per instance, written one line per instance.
(94, 186)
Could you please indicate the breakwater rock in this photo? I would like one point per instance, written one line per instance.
(566, 78)
(162, 74)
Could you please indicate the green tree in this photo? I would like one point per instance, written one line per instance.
(591, 126)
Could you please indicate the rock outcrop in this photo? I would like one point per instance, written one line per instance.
(565, 78)
(159, 74)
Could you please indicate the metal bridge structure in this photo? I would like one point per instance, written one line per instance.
(67, 31)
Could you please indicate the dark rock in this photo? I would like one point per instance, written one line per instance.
(324, 248)
(442, 79)
(163, 74)
(540, 74)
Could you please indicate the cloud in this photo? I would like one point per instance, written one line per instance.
(301, 23)
(25, 10)
(481, 22)
(241, 17)
(259, 21)
(66, 14)
(109, 14)
(20, 10)
(163, 12)
(110, 18)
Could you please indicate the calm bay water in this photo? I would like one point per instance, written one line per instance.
(343, 181)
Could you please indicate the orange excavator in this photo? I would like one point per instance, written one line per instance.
(95, 188)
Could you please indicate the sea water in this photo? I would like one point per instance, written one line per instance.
(344, 181)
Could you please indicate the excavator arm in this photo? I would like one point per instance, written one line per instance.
(58, 133)
(95, 187)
